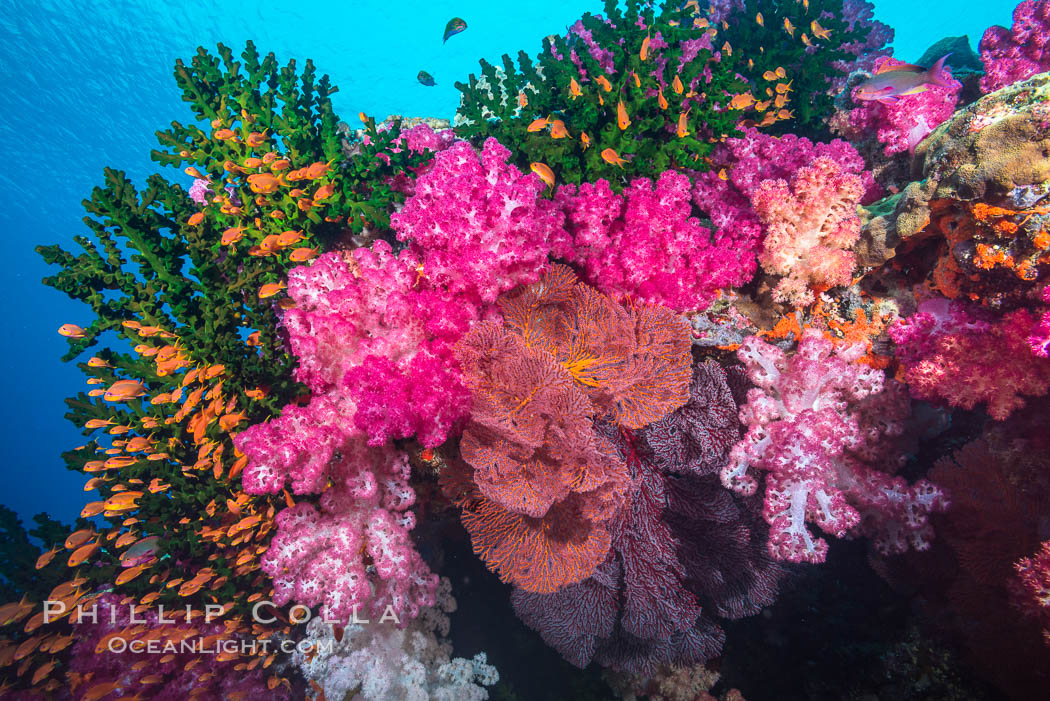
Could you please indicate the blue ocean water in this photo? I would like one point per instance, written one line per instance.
(86, 85)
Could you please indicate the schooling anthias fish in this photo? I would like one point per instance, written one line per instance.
(890, 83)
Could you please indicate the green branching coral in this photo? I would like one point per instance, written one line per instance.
(19, 575)
(189, 284)
(808, 40)
(678, 96)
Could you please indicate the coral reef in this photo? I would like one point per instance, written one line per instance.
(1012, 55)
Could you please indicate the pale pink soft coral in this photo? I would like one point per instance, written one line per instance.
(355, 553)
(821, 426)
(901, 126)
(810, 222)
(1011, 55)
(967, 357)
(478, 225)
(648, 243)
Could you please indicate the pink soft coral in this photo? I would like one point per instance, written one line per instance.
(647, 242)
(478, 225)
(1011, 55)
(365, 325)
(319, 557)
(901, 126)
(1040, 338)
(965, 358)
(1031, 588)
(810, 223)
(818, 423)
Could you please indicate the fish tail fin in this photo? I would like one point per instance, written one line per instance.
(934, 74)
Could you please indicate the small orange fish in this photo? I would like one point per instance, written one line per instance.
(621, 116)
(300, 255)
(780, 72)
(660, 99)
(81, 554)
(769, 75)
(585, 140)
(232, 235)
(723, 175)
(677, 86)
(727, 48)
(195, 219)
(785, 114)
(98, 423)
(194, 173)
(316, 170)
(93, 508)
(604, 82)
(760, 19)
(683, 127)
(637, 80)
(523, 101)
(263, 183)
(544, 171)
(558, 130)
(819, 32)
(788, 27)
(644, 53)
(780, 100)
(129, 574)
(123, 390)
(122, 502)
(41, 562)
(71, 331)
(784, 87)
(805, 40)
(742, 101)
(280, 164)
(97, 362)
(324, 192)
(538, 124)
(574, 88)
(270, 289)
(610, 156)
(255, 139)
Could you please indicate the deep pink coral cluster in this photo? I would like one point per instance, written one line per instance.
(646, 242)
(965, 357)
(1011, 55)
(821, 427)
(902, 125)
(478, 225)
(1040, 338)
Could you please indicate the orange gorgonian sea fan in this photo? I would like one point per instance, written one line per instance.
(542, 484)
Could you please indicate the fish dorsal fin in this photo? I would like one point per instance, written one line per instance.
(900, 67)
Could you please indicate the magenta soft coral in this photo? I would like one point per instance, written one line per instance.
(818, 422)
(967, 357)
(901, 126)
(647, 242)
(1031, 587)
(365, 325)
(810, 222)
(478, 225)
(1011, 55)
(1040, 338)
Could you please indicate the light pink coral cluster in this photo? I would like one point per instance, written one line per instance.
(478, 225)
(1011, 55)
(818, 425)
(902, 125)
(318, 557)
(965, 358)
(811, 222)
(646, 242)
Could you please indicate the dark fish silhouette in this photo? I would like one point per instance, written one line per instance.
(454, 27)
(426, 79)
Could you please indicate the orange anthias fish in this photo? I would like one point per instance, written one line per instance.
(805, 40)
(890, 83)
(683, 127)
(71, 331)
(544, 171)
(621, 116)
(585, 140)
(610, 156)
(558, 130)
(760, 19)
(604, 82)
(231, 235)
(123, 390)
(299, 255)
(819, 32)
(677, 86)
(270, 289)
(644, 53)
(660, 99)
(788, 27)
(538, 124)
(742, 101)
(522, 100)
(574, 88)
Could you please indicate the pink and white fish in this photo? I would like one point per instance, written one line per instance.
(890, 83)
